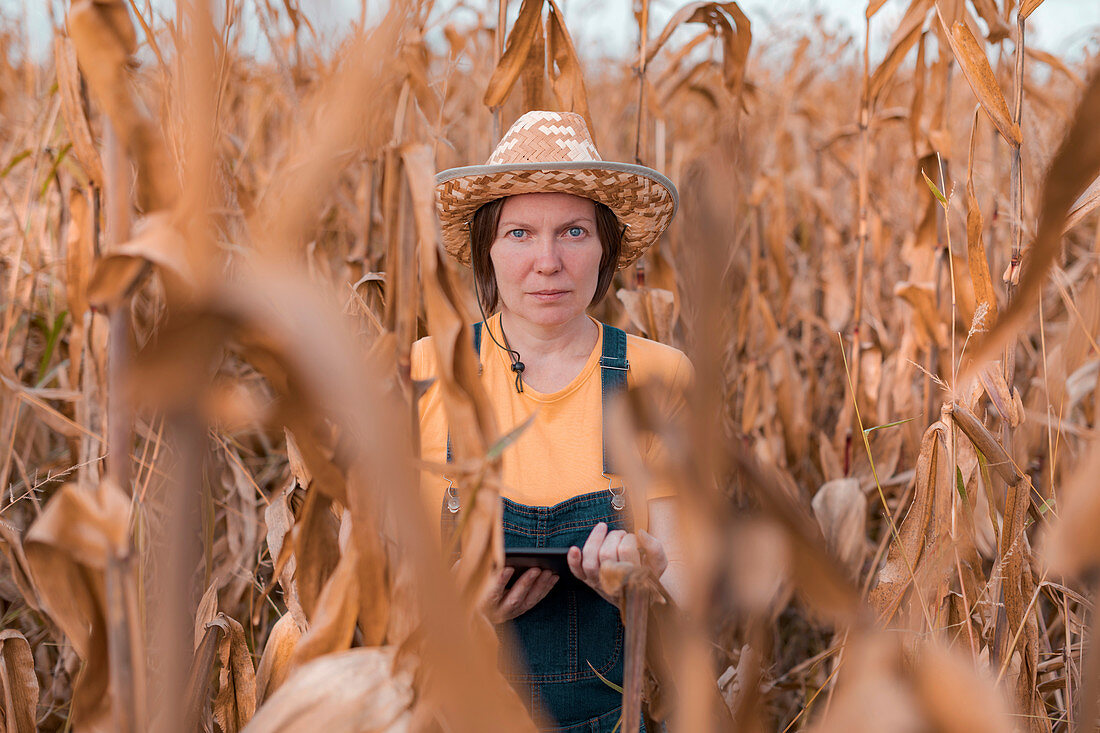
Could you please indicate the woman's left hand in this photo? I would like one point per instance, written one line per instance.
(603, 546)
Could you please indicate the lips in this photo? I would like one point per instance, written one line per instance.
(549, 295)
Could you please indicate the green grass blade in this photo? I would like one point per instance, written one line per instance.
(935, 190)
(888, 425)
(15, 160)
(51, 344)
(603, 679)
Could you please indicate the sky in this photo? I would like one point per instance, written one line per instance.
(606, 27)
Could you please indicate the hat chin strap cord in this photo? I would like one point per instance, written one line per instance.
(517, 365)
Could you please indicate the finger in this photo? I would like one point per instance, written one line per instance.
(492, 596)
(590, 561)
(573, 558)
(628, 550)
(542, 587)
(502, 582)
(590, 552)
(595, 538)
(609, 550)
(519, 590)
(545, 582)
(654, 552)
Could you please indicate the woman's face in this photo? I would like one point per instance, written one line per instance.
(546, 256)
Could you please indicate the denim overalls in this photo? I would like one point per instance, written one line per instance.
(561, 647)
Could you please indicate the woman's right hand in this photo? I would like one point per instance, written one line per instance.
(504, 604)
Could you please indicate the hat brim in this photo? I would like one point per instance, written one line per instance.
(643, 199)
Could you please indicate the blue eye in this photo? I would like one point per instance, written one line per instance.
(515, 233)
(576, 232)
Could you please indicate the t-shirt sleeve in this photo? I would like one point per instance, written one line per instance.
(671, 408)
(433, 426)
(421, 363)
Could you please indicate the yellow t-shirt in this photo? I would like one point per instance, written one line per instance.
(560, 455)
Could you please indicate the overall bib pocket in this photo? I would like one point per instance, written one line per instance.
(572, 631)
(555, 654)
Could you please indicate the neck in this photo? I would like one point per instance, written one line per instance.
(533, 340)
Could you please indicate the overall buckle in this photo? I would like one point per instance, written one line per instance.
(618, 494)
(453, 504)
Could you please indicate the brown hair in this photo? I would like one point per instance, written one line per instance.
(483, 232)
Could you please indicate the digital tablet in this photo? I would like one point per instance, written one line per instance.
(544, 558)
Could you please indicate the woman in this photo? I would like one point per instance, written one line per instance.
(544, 225)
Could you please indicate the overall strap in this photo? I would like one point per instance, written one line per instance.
(613, 370)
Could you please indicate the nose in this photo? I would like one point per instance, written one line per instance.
(547, 256)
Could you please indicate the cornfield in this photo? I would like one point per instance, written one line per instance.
(885, 269)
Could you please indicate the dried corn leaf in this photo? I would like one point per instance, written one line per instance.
(924, 530)
(332, 623)
(979, 74)
(415, 56)
(841, 511)
(1085, 205)
(984, 295)
(998, 29)
(68, 549)
(516, 54)
(471, 420)
(206, 613)
(370, 591)
(356, 691)
(349, 104)
(1074, 167)
(916, 106)
(650, 310)
(1007, 402)
(298, 468)
(871, 694)
(122, 269)
(280, 520)
(836, 284)
(1069, 544)
(790, 400)
(79, 255)
(1027, 7)
(956, 697)
(736, 36)
(886, 443)
(235, 701)
(1055, 63)
(242, 530)
(873, 7)
(18, 706)
(904, 38)
(316, 550)
(104, 38)
(72, 109)
(926, 317)
(17, 565)
(275, 663)
(196, 699)
(566, 76)
(80, 251)
(472, 428)
(815, 573)
(533, 75)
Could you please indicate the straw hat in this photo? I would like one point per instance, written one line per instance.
(553, 151)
